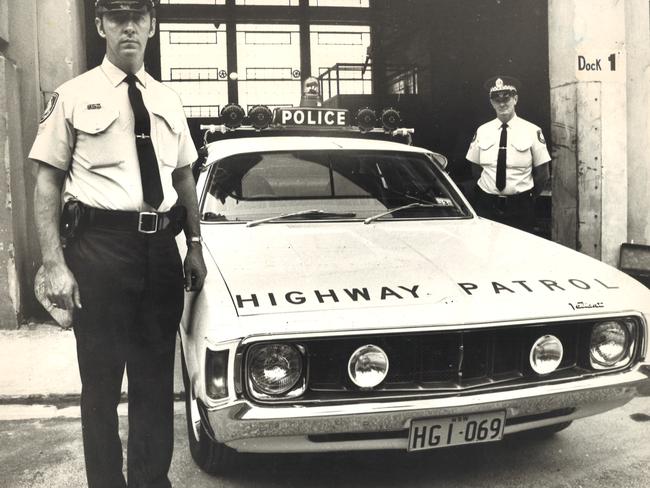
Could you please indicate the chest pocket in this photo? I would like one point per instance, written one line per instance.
(488, 150)
(521, 155)
(167, 126)
(94, 121)
(98, 136)
(485, 145)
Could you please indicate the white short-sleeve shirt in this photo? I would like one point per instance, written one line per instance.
(526, 147)
(87, 130)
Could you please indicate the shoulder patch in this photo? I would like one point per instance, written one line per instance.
(49, 107)
(540, 136)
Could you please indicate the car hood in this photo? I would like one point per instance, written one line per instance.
(463, 271)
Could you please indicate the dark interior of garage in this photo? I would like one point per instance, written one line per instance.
(427, 58)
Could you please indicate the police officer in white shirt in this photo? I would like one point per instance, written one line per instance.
(510, 155)
(114, 145)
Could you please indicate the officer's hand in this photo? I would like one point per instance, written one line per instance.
(61, 288)
(194, 268)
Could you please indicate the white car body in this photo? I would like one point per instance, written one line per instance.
(299, 280)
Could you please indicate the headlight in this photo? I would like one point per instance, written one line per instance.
(610, 345)
(274, 369)
(368, 366)
(546, 354)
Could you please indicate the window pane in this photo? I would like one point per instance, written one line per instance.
(286, 3)
(338, 3)
(338, 53)
(268, 59)
(195, 2)
(193, 63)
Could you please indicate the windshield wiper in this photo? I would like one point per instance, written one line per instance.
(302, 213)
(403, 207)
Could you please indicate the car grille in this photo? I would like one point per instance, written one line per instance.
(443, 363)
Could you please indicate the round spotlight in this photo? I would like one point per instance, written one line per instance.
(609, 344)
(366, 119)
(232, 115)
(546, 354)
(390, 119)
(274, 369)
(260, 116)
(368, 366)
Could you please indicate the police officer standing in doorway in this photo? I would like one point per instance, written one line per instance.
(510, 160)
(114, 145)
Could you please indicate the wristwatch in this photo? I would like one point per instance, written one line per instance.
(194, 240)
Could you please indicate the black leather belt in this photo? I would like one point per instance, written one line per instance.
(143, 222)
(507, 198)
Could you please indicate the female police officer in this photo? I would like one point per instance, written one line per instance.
(115, 142)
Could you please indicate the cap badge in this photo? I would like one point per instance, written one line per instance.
(498, 84)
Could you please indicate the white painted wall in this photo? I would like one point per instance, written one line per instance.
(600, 124)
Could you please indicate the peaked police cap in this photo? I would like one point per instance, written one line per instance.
(102, 6)
(502, 84)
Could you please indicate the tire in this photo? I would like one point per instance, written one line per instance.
(212, 457)
(546, 431)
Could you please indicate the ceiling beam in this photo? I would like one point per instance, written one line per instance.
(263, 14)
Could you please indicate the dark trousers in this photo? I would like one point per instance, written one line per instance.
(132, 297)
(514, 210)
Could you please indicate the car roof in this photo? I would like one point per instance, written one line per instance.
(223, 148)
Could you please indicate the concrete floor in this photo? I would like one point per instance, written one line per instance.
(611, 450)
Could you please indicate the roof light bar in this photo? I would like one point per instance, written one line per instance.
(390, 119)
(366, 119)
(260, 117)
(232, 115)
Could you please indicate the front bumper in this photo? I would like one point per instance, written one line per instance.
(247, 427)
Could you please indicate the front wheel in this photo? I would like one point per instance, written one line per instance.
(212, 457)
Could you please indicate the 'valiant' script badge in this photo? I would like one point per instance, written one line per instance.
(49, 108)
(583, 305)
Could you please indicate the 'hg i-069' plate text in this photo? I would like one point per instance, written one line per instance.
(453, 431)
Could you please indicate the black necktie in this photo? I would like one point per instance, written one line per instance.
(151, 187)
(501, 158)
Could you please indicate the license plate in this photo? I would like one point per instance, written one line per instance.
(457, 430)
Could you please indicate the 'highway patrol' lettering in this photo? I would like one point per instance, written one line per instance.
(532, 286)
(296, 297)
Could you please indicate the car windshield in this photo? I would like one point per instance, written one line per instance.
(328, 185)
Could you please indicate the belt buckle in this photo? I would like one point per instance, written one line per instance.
(501, 203)
(147, 222)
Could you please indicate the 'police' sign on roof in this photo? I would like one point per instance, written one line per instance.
(314, 117)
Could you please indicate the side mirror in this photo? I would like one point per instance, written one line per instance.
(439, 159)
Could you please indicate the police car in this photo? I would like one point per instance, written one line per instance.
(355, 301)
